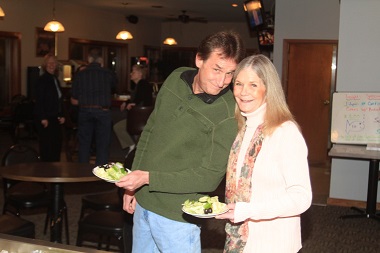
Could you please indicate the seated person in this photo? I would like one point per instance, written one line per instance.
(142, 96)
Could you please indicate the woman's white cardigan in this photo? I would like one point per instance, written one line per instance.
(281, 190)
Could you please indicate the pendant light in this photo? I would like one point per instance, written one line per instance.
(54, 25)
(2, 14)
(124, 34)
(170, 41)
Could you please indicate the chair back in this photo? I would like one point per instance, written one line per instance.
(136, 120)
(20, 153)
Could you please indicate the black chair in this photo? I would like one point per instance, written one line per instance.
(109, 201)
(8, 116)
(13, 225)
(19, 195)
(136, 120)
(107, 221)
(106, 226)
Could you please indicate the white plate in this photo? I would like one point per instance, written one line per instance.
(205, 216)
(95, 170)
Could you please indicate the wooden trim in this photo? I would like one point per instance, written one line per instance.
(13, 63)
(349, 203)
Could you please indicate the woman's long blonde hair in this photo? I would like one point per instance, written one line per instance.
(277, 110)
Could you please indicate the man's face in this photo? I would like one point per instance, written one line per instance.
(214, 74)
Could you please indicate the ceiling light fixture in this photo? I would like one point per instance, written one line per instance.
(170, 41)
(2, 14)
(54, 25)
(124, 34)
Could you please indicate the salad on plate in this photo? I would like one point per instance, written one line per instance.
(205, 207)
(111, 172)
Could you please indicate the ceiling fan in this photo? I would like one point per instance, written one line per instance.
(184, 18)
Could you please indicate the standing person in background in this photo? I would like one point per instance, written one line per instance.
(142, 96)
(182, 152)
(48, 111)
(267, 183)
(92, 89)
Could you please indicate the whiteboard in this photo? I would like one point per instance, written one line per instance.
(355, 118)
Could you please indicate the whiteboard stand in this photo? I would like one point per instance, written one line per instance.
(361, 153)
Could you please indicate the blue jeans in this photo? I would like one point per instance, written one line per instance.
(94, 123)
(153, 233)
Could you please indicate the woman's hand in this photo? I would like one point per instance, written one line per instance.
(130, 105)
(122, 106)
(45, 123)
(228, 215)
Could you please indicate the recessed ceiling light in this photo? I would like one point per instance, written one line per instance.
(234, 5)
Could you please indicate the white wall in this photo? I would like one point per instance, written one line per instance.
(358, 61)
(304, 19)
(356, 25)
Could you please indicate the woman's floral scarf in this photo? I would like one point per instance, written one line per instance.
(237, 233)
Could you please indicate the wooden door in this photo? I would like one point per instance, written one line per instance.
(309, 74)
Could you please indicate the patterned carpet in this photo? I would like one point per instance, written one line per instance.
(322, 230)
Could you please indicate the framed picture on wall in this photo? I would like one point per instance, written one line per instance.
(45, 42)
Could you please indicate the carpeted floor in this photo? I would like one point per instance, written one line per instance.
(322, 230)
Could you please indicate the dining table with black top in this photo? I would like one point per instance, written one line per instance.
(56, 174)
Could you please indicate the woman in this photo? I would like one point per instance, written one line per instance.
(48, 111)
(142, 96)
(267, 184)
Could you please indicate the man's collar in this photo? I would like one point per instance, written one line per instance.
(189, 75)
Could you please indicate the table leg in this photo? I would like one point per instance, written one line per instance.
(56, 214)
(373, 181)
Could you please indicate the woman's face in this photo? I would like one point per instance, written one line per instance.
(249, 91)
(51, 65)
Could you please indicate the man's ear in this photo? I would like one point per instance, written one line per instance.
(198, 61)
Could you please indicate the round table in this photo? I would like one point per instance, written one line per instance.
(55, 173)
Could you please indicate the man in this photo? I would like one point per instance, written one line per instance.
(184, 147)
(92, 89)
(142, 96)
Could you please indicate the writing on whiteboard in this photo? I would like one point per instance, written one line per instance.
(355, 118)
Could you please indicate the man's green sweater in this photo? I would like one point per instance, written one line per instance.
(185, 145)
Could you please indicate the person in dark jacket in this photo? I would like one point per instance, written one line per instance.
(48, 111)
(91, 91)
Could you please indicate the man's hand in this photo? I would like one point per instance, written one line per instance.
(74, 101)
(129, 202)
(134, 180)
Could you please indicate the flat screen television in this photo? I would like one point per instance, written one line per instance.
(254, 11)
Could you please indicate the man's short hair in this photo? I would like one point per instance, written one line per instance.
(229, 42)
